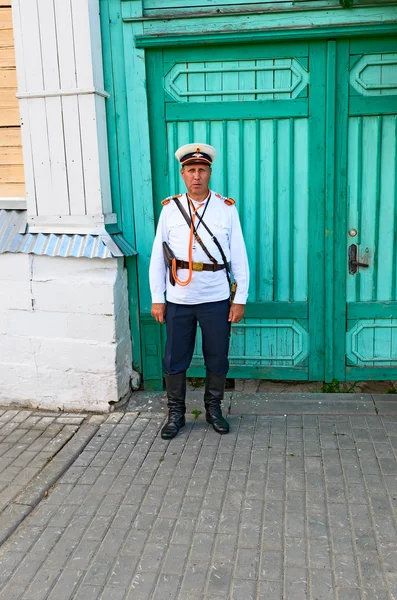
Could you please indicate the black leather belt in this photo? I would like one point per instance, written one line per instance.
(199, 266)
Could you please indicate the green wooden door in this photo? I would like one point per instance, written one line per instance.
(370, 221)
(262, 107)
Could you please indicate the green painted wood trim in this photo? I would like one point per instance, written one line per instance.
(124, 246)
(275, 211)
(291, 193)
(110, 108)
(340, 210)
(330, 124)
(277, 310)
(133, 304)
(153, 385)
(372, 310)
(117, 117)
(378, 178)
(367, 105)
(251, 52)
(152, 349)
(372, 46)
(260, 372)
(123, 164)
(268, 310)
(132, 10)
(316, 210)
(257, 109)
(371, 373)
(359, 194)
(185, 39)
(141, 171)
(136, 126)
(157, 128)
(119, 155)
(113, 228)
(224, 8)
(394, 242)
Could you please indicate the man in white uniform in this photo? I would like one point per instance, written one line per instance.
(198, 256)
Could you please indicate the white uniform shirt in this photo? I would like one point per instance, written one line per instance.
(205, 286)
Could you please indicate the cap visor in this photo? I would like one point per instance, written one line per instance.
(190, 161)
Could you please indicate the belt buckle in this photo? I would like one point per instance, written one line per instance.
(198, 266)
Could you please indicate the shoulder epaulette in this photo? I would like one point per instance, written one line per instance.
(168, 200)
(228, 201)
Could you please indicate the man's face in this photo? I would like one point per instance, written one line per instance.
(196, 178)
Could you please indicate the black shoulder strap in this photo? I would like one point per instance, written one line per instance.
(217, 244)
(196, 235)
(182, 210)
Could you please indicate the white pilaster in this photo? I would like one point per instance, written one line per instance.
(62, 104)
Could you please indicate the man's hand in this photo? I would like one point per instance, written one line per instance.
(236, 313)
(158, 311)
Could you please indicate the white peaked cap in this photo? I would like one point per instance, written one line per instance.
(195, 153)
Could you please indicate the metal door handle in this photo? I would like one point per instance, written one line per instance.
(358, 264)
(354, 263)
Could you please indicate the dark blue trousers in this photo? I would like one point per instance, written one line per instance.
(181, 324)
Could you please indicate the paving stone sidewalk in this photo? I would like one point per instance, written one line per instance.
(28, 441)
(292, 508)
(33, 456)
(277, 403)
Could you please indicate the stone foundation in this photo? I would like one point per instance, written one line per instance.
(65, 340)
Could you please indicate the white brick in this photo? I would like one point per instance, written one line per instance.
(73, 350)
(121, 290)
(19, 384)
(4, 328)
(87, 391)
(75, 354)
(51, 388)
(63, 354)
(58, 268)
(100, 328)
(16, 350)
(15, 294)
(124, 372)
(122, 324)
(123, 349)
(81, 297)
(15, 267)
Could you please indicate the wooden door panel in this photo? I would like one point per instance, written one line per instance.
(253, 105)
(371, 339)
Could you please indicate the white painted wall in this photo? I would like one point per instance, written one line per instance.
(64, 332)
(64, 326)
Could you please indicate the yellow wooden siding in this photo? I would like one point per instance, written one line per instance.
(11, 161)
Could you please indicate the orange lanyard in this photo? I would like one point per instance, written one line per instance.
(190, 247)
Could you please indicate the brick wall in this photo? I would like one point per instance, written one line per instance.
(64, 332)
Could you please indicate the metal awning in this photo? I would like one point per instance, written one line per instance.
(15, 238)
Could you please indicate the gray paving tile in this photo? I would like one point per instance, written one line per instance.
(301, 404)
(219, 518)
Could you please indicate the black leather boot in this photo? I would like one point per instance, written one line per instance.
(213, 396)
(176, 394)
